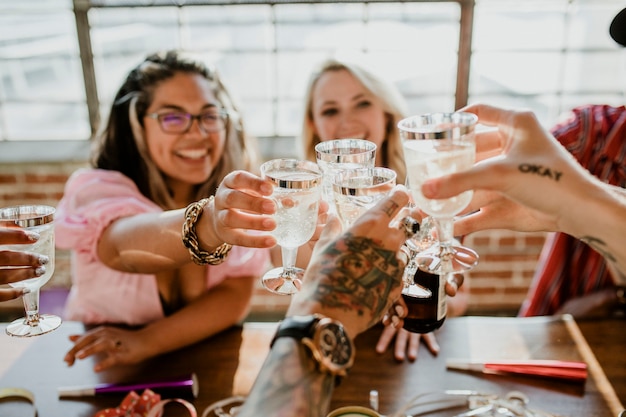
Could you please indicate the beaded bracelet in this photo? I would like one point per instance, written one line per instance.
(190, 238)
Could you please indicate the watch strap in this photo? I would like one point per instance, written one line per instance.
(297, 327)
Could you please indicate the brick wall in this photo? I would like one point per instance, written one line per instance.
(497, 285)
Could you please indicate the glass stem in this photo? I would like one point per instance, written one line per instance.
(289, 261)
(31, 306)
(409, 270)
(446, 234)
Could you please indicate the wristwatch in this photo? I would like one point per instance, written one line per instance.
(326, 338)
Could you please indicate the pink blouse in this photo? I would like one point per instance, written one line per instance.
(93, 199)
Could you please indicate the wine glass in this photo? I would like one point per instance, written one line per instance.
(38, 219)
(437, 144)
(357, 190)
(340, 154)
(297, 192)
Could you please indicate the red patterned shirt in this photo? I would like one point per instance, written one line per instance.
(568, 268)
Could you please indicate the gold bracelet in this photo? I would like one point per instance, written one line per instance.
(190, 238)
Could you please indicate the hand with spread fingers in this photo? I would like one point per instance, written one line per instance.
(406, 344)
(112, 345)
(18, 265)
(242, 203)
(243, 215)
(535, 184)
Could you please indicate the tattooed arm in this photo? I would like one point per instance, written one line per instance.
(353, 278)
(534, 184)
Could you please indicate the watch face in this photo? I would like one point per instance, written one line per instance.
(335, 346)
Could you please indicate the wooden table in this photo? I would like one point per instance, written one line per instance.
(36, 364)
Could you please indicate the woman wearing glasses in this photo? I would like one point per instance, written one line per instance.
(174, 137)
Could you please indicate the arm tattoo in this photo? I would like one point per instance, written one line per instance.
(390, 207)
(289, 384)
(359, 275)
(600, 246)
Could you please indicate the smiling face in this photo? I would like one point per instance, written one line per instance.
(343, 108)
(189, 158)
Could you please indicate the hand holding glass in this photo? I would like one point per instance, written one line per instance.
(38, 219)
(297, 192)
(434, 145)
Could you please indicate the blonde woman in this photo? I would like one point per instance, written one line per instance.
(344, 100)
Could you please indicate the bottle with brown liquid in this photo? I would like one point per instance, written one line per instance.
(425, 299)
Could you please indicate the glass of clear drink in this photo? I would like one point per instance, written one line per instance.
(341, 154)
(38, 219)
(297, 193)
(434, 145)
(357, 190)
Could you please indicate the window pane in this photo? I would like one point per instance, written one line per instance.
(589, 24)
(133, 30)
(259, 118)
(42, 94)
(609, 72)
(52, 78)
(229, 28)
(515, 73)
(513, 25)
(46, 121)
(249, 76)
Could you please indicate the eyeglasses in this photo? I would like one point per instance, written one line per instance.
(180, 122)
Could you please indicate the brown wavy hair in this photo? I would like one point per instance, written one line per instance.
(121, 145)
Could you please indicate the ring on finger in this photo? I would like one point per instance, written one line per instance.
(409, 226)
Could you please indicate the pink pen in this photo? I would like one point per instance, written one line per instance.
(555, 369)
(183, 386)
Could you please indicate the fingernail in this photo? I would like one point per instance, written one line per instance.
(40, 271)
(32, 236)
(267, 188)
(396, 321)
(43, 259)
(26, 291)
(428, 189)
(399, 310)
(268, 206)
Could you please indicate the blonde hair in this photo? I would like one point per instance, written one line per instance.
(392, 102)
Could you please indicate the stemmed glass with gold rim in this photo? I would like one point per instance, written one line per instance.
(434, 145)
(297, 193)
(37, 219)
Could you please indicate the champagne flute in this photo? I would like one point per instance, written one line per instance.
(357, 190)
(434, 145)
(38, 219)
(340, 154)
(297, 192)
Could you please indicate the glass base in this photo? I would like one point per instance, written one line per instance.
(278, 282)
(437, 261)
(20, 328)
